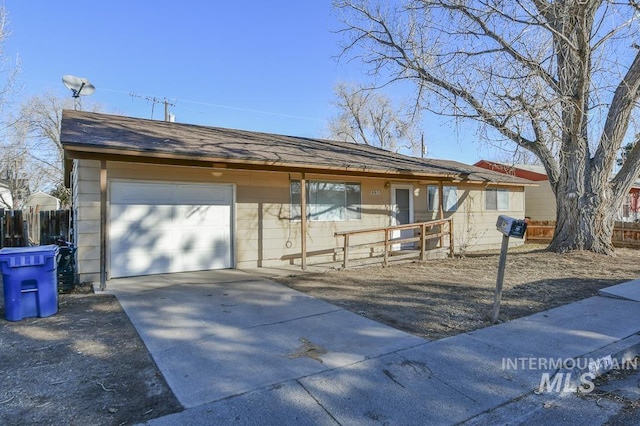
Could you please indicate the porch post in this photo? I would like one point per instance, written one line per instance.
(441, 210)
(303, 221)
(423, 241)
(103, 224)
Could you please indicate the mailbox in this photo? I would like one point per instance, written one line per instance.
(511, 227)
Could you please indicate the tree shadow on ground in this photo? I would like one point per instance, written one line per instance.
(84, 365)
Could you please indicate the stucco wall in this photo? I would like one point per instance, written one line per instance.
(264, 233)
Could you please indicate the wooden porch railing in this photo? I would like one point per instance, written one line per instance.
(387, 242)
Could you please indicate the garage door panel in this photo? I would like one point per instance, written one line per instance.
(149, 215)
(198, 239)
(204, 195)
(197, 260)
(136, 262)
(204, 215)
(132, 193)
(150, 239)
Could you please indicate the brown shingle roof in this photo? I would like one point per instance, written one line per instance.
(90, 132)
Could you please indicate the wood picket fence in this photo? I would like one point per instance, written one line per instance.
(20, 228)
(625, 234)
(13, 231)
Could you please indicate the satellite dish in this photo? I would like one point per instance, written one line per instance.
(77, 85)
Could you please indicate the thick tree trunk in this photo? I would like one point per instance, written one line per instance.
(584, 199)
(578, 229)
(585, 218)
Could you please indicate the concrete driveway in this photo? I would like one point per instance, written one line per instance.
(240, 349)
(217, 334)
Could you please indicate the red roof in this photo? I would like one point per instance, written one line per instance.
(516, 170)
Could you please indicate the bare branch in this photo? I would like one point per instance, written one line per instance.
(617, 123)
(554, 77)
(368, 117)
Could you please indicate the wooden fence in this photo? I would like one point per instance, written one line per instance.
(625, 234)
(20, 229)
(13, 229)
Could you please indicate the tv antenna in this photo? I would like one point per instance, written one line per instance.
(78, 86)
(154, 100)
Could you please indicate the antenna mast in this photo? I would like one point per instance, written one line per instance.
(154, 100)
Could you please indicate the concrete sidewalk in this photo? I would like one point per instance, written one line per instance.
(236, 348)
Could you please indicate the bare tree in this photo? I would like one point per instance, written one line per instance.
(13, 154)
(16, 171)
(560, 79)
(42, 115)
(8, 71)
(369, 117)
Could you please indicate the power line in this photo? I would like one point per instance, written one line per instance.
(209, 104)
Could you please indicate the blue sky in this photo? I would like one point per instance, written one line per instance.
(256, 65)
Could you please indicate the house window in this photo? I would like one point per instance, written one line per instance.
(496, 199)
(449, 199)
(327, 201)
(626, 208)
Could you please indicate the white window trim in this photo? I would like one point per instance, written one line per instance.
(437, 199)
(498, 191)
(309, 216)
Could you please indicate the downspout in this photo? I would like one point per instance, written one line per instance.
(303, 221)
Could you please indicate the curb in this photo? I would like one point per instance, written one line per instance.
(577, 376)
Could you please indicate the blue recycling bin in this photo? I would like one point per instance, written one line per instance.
(29, 276)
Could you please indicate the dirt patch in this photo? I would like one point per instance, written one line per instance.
(441, 298)
(86, 365)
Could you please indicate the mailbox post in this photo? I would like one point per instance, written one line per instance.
(509, 227)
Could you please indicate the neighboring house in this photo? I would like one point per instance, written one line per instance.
(41, 201)
(155, 197)
(540, 201)
(630, 208)
(6, 200)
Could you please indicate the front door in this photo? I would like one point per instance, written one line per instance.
(402, 213)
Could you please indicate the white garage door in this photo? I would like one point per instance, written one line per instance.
(169, 227)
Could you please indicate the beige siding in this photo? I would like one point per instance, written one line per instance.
(541, 202)
(474, 226)
(86, 210)
(264, 233)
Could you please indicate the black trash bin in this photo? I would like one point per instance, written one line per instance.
(67, 278)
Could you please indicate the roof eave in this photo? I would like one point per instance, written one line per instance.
(77, 151)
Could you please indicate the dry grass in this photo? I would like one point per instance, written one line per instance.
(441, 298)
